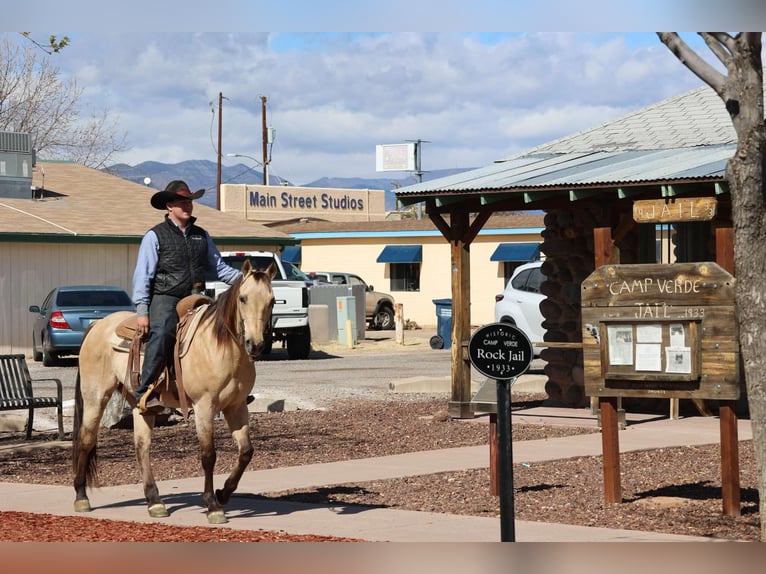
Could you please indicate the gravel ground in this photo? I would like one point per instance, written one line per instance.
(674, 490)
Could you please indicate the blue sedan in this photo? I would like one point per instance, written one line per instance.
(61, 320)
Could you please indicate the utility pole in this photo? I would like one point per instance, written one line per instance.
(265, 142)
(220, 129)
(418, 171)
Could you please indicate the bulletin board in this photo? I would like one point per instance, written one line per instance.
(660, 330)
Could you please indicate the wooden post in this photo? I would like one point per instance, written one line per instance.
(610, 445)
(603, 254)
(399, 323)
(729, 459)
(730, 489)
(494, 480)
(674, 404)
(460, 405)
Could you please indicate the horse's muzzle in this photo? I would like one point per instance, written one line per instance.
(254, 350)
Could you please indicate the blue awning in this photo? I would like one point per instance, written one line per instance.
(516, 252)
(401, 254)
(292, 254)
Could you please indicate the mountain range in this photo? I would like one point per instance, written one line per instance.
(203, 174)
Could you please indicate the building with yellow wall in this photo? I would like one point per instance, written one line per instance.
(348, 230)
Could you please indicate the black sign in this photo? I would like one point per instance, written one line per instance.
(500, 351)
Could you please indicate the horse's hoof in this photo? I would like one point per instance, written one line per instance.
(82, 506)
(217, 517)
(158, 511)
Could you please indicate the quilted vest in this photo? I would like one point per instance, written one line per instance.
(182, 259)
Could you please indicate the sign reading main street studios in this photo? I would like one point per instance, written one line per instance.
(279, 203)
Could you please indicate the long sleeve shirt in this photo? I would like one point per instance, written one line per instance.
(146, 267)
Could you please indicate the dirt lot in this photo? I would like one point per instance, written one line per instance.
(674, 490)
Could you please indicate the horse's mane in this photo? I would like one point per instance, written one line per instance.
(224, 311)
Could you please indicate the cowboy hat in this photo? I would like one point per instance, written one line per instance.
(175, 190)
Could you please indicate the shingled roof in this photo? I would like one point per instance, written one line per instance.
(684, 141)
(81, 202)
(695, 118)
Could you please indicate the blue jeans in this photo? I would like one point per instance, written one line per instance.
(163, 319)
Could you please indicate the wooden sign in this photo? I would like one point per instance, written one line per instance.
(674, 210)
(660, 331)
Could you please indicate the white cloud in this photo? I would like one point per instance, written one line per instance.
(333, 97)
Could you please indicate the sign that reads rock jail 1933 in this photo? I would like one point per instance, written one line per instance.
(500, 351)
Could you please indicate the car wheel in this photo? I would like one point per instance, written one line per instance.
(49, 359)
(436, 342)
(299, 344)
(384, 319)
(268, 343)
(37, 354)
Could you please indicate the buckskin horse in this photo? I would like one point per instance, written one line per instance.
(218, 373)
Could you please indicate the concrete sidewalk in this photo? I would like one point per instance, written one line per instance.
(246, 511)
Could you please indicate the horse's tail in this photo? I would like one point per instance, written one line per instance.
(92, 460)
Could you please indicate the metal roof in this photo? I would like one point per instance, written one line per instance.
(587, 169)
(671, 146)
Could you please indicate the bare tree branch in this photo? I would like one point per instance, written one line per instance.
(721, 44)
(34, 99)
(693, 61)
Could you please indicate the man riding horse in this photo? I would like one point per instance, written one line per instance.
(174, 259)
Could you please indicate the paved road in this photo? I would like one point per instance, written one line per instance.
(332, 371)
(368, 366)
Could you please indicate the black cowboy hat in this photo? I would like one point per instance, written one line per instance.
(176, 189)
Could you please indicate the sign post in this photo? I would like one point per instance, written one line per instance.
(502, 352)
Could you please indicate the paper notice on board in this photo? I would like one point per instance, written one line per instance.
(678, 360)
(648, 357)
(648, 334)
(677, 338)
(620, 344)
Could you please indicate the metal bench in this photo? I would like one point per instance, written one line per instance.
(16, 391)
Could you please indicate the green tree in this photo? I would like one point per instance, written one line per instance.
(53, 45)
(35, 99)
(741, 89)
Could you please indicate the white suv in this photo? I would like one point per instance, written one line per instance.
(519, 303)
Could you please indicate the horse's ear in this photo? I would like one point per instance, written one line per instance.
(246, 268)
(271, 270)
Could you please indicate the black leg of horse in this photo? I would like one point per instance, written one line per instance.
(237, 419)
(203, 419)
(142, 438)
(83, 461)
(215, 513)
(238, 422)
(84, 448)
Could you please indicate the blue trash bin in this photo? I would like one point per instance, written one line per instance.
(443, 337)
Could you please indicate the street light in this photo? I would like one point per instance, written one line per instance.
(243, 155)
(250, 158)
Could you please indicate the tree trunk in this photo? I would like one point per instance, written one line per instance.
(742, 94)
(744, 173)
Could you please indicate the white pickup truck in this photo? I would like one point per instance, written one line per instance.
(290, 317)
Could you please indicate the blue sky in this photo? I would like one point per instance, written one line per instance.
(331, 98)
(392, 15)
(333, 95)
